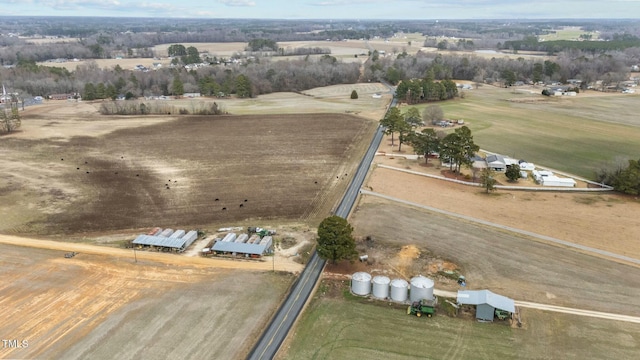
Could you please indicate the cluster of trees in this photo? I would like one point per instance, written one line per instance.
(420, 90)
(531, 43)
(247, 80)
(457, 147)
(186, 55)
(611, 68)
(623, 174)
(262, 45)
(142, 108)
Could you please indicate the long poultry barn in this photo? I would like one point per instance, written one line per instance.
(242, 245)
(167, 240)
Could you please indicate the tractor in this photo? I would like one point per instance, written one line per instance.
(502, 315)
(418, 308)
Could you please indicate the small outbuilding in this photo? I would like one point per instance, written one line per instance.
(496, 162)
(486, 303)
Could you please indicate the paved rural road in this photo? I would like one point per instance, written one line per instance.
(283, 320)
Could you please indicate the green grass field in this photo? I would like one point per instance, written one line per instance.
(576, 134)
(343, 328)
(568, 33)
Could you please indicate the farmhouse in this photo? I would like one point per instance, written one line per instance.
(486, 303)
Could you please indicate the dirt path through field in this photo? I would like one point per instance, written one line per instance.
(169, 259)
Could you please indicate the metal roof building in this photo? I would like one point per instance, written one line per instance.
(486, 303)
(175, 243)
(239, 248)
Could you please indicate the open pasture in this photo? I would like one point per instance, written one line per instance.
(572, 134)
(187, 171)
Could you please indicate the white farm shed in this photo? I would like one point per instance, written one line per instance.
(557, 181)
(547, 178)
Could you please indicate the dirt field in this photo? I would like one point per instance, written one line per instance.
(91, 307)
(187, 172)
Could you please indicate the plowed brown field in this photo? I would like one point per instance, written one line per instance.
(186, 172)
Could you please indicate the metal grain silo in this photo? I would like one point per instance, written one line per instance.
(381, 287)
(361, 283)
(421, 288)
(399, 289)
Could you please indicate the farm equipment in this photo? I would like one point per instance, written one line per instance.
(418, 308)
(69, 255)
(260, 231)
(502, 315)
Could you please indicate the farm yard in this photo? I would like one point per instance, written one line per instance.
(97, 306)
(406, 241)
(192, 171)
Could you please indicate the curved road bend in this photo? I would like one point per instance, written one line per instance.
(270, 341)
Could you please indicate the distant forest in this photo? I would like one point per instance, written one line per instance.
(608, 60)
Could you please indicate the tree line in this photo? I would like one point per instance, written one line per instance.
(253, 78)
(611, 68)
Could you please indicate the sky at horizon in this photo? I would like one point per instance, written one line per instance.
(330, 9)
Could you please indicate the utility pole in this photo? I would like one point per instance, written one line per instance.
(134, 255)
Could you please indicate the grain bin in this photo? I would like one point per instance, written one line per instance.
(421, 288)
(381, 287)
(361, 283)
(399, 288)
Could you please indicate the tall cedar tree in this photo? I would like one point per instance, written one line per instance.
(335, 241)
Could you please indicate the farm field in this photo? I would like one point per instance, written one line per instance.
(347, 51)
(368, 329)
(185, 171)
(96, 307)
(572, 134)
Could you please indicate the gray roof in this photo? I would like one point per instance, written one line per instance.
(159, 241)
(243, 248)
(477, 297)
(495, 158)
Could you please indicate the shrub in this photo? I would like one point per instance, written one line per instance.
(354, 94)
